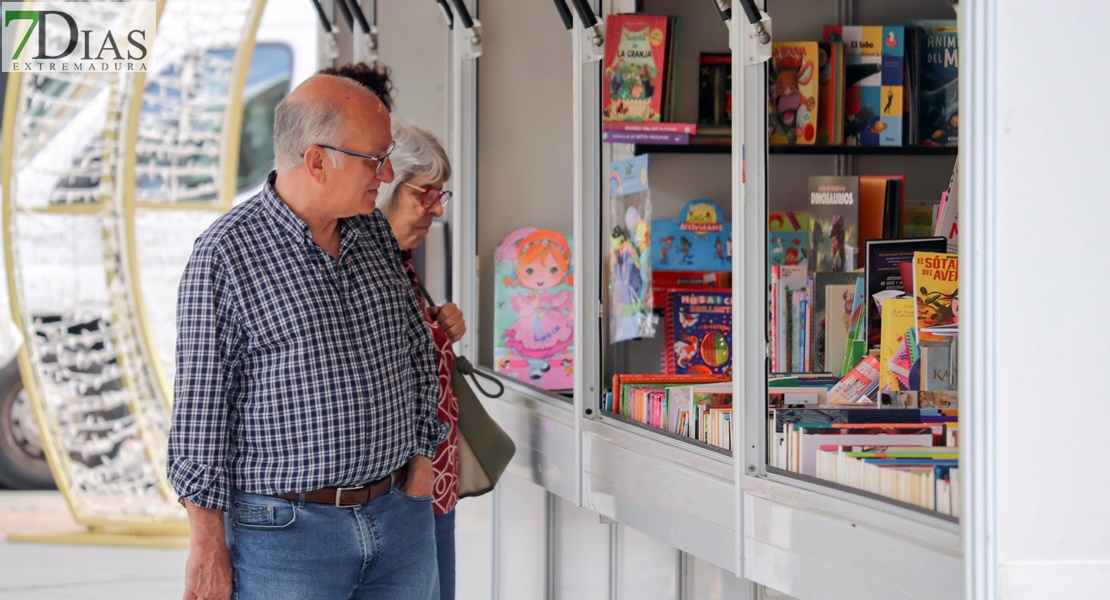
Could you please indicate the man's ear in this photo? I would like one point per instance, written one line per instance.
(314, 159)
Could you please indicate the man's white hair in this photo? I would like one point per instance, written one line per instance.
(300, 123)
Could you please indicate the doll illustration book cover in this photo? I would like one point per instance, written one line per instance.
(534, 314)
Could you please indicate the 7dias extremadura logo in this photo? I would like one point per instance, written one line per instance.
(44, 37)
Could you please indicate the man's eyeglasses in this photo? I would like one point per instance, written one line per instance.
(429, 196)
(378, 159)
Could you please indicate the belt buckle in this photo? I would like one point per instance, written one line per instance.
(339, 493)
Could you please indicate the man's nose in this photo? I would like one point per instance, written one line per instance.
(386, 174)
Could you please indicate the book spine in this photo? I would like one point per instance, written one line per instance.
(688, 128)
(645, 137)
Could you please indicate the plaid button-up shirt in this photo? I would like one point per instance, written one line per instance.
(296, 371)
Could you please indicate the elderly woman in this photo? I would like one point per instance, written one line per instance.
(409, 203)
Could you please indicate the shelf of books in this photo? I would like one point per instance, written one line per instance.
(851, 269)
(657, 450)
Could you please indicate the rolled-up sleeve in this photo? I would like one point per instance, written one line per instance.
(198, 440)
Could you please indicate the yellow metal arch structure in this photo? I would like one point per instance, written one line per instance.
(91, 163)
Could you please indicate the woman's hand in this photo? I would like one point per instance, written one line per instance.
(450, 318)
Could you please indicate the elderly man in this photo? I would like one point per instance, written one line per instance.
(304, 416)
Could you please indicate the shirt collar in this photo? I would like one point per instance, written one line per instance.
(286, 219)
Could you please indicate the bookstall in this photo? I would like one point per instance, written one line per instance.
(913, 551)
(592, 425)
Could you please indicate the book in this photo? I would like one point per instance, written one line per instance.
(880, 207)
(833, 223)
(787, 239)
(937, 366)
(883, 273)
(947, 224)
(823, 318)
(666, 281)
(856, 347)
(715, 92)
(699, 240)
(645, 137)
(830, 93)
(689, 128)
(784, 282)
(897, 319)
(792, 107)
(635, 67)
(837, 319)
(919, 218)
(874, 71)
(936, 289)
(698, 333)
(534, 309)
(858, 384)
(936, 97)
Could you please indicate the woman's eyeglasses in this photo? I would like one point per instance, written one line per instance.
(429, 196)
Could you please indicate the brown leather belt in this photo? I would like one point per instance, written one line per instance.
(346, 497)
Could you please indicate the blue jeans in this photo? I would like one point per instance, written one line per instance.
(445, 554)
(288, 549)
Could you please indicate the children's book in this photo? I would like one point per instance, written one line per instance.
(898, 318)
(699, 240)
(787, 239)
(534, 311)
(936, 287)
(883, 273)
(830, 94)
(937, 94)
(699, 332)
(792, 106)
(635, 67)
(874, 71)
(833, 223)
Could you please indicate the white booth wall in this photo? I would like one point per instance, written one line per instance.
(1037, 523)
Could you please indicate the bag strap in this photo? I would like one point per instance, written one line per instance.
(462, 364)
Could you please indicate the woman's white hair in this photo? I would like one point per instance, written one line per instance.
(418, 155)
(300, 123)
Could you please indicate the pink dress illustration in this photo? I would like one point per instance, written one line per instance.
(534, 310)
